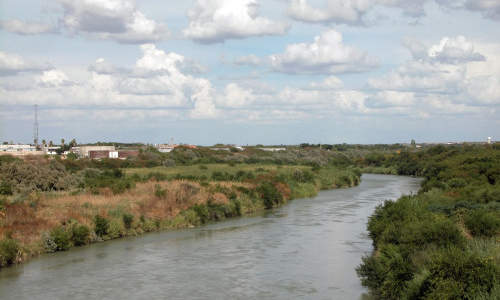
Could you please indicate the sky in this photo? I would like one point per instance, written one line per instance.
(250, 71)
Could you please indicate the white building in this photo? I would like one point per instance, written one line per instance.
(273, 149)
(17, 148)
(83, 151)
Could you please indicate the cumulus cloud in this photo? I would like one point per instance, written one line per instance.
(117, 20)
(489, 8)
(53, 78)
(418, 76)
(454, 50)
(156, 80)
(12, 64)
(327, 54)
(101, 66)
(451, 71)
(236, 96)
(26, 28)
(350, 12)
(329, 83)
(214, 21)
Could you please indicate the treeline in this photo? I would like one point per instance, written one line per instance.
(442, 243)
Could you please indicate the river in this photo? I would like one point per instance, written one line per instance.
(308, 249)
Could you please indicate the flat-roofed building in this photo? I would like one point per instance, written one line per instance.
(83, 151)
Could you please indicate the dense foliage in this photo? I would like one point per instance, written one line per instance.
(443, 242)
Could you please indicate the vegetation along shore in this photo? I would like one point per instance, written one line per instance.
(49, 205)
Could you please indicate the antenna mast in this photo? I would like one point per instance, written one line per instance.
(35, 127)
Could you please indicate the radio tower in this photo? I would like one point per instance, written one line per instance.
(35, 127)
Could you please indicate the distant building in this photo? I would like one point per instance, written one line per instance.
(489, 140)
(83, 151)
(273, 149)
(51, 150)
(164, 148)
(100, 154)
(127, 153)
(19, 150)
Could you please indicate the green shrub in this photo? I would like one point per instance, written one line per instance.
(101, 225)
(482, 223)
(5, 188)
(61, 238)
(127, 220)
(116, 229)
(8, 252)
(270, 195)
(80, 235)
(458, 274)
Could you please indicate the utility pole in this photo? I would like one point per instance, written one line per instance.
(35, 127)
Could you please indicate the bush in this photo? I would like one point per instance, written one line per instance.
(80, 235)
(101, 225)
(456, 274)
(116, 229)
(270, 195)
(8, 252)
(5, 188)
(61, 238)
(482, 223)
(127, 220)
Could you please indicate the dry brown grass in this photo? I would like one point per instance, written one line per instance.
(27, 222)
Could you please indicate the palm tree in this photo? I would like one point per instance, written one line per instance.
(44, 142)
(62, 142)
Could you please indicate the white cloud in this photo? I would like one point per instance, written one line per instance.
(451, 71)
(329, 83)
(327, 54)
(117, 20)
(11, 64)
(419, 76)
(350, 12)
(53, 78)
(236, 96)
(156, 81)
(26, 28)
(214, 21)
(454, 51)
(489, 8)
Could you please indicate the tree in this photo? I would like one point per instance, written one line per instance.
(72, 143)
(62, 142)
(413, 144)
(51, 144)
(44, 142)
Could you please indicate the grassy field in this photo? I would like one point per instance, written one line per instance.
(208, 169)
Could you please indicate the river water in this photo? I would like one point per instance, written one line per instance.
(308, 249)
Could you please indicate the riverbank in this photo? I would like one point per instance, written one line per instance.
(307, 249)
(57, 221)
(444, 242)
